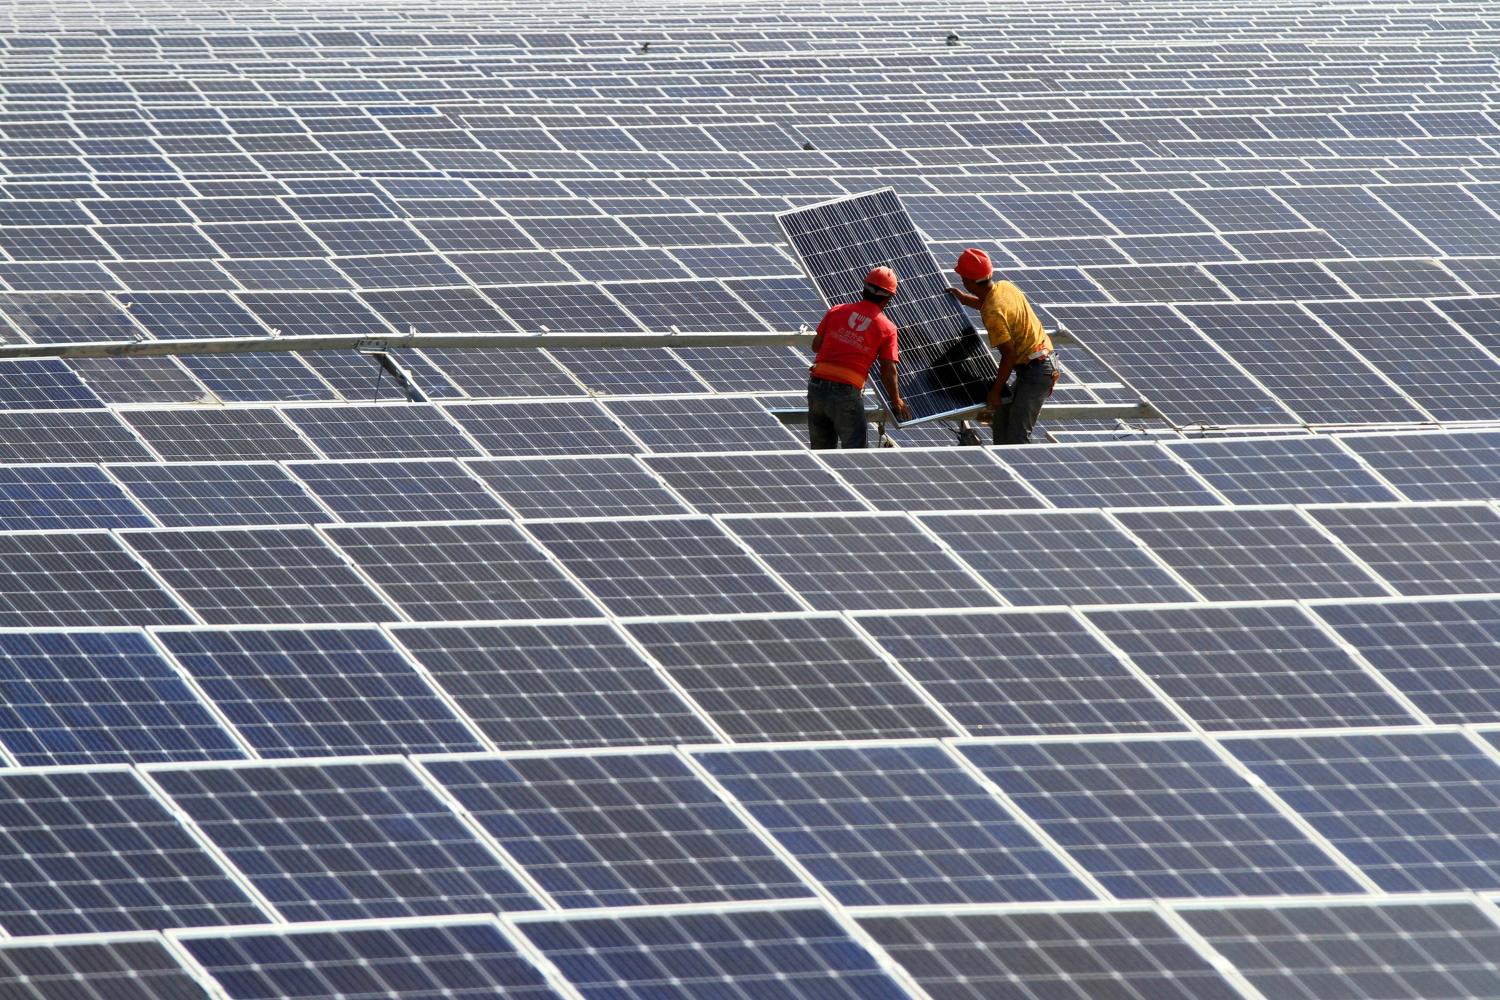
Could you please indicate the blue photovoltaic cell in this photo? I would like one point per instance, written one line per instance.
(1245, 554)
(1019, 673)
(1458, 465)
(1423, 550)
(587, 486)
(1443, 655)
(772, 482)
(392, 430)
(1309, 469)
(100, 698)
(1160, 818)
(897, 825)
(930, 479)
(1114, 475)
(43, 384)
(88, 852)
(123, 969)
(59, 497)
(618, 830)
(408, 490)
(1072, 557)
(78, 579)
(318, 692)
(699, 422)
(558, 427)
(220, 495)
(1255, 667)
(448, 961)
(345, 841)
(791, 954)
(1414, 811)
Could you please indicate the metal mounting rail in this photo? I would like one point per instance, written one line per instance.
(493, 341)
(1050, 411)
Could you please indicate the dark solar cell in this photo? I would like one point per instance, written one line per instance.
(217, 435)
(1307, 469)
(114, 970)
(315, 314)
(443, 310)
(747, 483)
(394, 430)
(627, 370)
(930, 479)
(562, 309)
(64, 497)
(696, 424)
(1461, 465)
(176, 316)
(78, 579)
(602, 486)
(1420, 549)
(560, 427)
(1114, 475)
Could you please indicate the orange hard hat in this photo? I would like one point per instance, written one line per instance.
(974, 265)
(883, 278)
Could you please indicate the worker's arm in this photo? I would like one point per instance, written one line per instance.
(893, 389)
(817, 341)
(1007, 363)
(972, 301)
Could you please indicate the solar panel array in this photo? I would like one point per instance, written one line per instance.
(585, 678)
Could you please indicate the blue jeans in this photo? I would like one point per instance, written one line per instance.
(835, 415)
(1016, 416)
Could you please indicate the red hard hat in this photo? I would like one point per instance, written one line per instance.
(883, 278)
(974, 265)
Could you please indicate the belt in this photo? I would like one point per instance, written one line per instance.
(822, 369)
(1036, 356)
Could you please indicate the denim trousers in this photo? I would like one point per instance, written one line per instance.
(1016, 416)
(835, 415)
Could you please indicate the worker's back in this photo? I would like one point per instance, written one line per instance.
(853, 336)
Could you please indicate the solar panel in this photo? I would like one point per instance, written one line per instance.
(1112, 475)
(1070, 557)
(1031, 956)
(618, 830)
(43, 384)
(64, 497)
(462, 571)
(1458, 465)
(1402, 950)
(748, 482)
(221, 495)
(910, 479)
(701, 423)
(482, 373)
(893, 825)
(1357, 220)
(788, 678)
(1020, 673)
(1422, 549)
(612, 485)
(345, 840)
(393, 430)
(796, 954)
(217, 435)
(662, 566)
(946, 367)
(122, 969)
(258, 576)
(441, 960)
(553, 685)
(1251, 554)
(66, 436)
(95, 851)
(399, 490)
(1410, 809)
(1263, 470)
(551, 428)
(317, 692)
(627, 370)
(86, 579)
(1160, 818)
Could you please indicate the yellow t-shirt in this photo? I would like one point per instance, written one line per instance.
(1009, 318)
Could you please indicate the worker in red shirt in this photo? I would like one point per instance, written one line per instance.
(849, 339)
(1016, 332)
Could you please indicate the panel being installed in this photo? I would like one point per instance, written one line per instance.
(702, 422)
(318, 692)
(1251, 667)
(588, 486)
(978, 955)
(93, 851)
(475, 570)
(85, 579)
(788, 954)
(399, 490)
(662, 566)
(946, 366)
(224, 495)
(431, 960)
(555, 685)
(345, 841)
(1423, 549)
(618, 829)
(1256, 470)
(1072, 557)
(1246, 554)
(861, 562)
(896, 824)
(259, 576)
(100, 697)
(124, 969)
(1443, 655)
(792, 678)
(1021, 673)
(1415, 811)
(904, 479)
(747, 483)
(1108, 475)
(1160, 818)
(61, 497)
(1460, 465)
(1400, 950)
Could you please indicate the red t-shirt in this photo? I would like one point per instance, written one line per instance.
(854, 335)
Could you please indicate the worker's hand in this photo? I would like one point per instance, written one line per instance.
(952, 291)
(903, 411)
(993, 399)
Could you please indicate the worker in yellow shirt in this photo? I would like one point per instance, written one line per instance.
(1017, 334)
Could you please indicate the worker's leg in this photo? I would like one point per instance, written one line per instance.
(849, 416)
(821, 430)
(1015, 419)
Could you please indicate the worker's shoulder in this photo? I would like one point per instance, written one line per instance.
(1009, 288)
